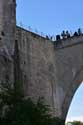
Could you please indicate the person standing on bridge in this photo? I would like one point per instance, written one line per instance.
(63, 34)
(79, 31)
(67, 34)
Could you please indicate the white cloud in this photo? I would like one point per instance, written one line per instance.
(75, 118)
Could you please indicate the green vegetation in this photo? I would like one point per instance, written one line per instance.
(15, 110)
(77, 123)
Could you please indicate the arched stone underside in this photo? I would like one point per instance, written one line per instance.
(69, 73)
(74, 85)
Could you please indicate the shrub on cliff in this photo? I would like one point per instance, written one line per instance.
(15, 110)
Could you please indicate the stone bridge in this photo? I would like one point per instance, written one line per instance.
(45, 69)
(50, 71)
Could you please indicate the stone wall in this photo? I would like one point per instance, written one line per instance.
(7, 38)
(50, 71)
(37, 57)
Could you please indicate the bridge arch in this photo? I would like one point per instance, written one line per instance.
(68, 72)
(74, 85)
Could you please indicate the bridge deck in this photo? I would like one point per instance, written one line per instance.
(68, 42)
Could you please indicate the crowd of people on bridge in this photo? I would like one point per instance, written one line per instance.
(66, 34)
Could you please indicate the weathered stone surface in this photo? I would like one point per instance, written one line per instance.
(7, 38)
(45, 69)
(51, 72)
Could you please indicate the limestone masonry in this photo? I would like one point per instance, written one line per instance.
(43, 69)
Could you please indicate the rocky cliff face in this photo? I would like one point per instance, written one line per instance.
(7, 38)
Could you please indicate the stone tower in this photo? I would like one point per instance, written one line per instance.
(7, 38)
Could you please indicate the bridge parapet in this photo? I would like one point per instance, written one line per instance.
(69, 42)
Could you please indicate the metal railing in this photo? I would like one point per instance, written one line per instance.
(64, 35)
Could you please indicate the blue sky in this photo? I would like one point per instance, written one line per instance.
(76, 107)
(52, 17)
